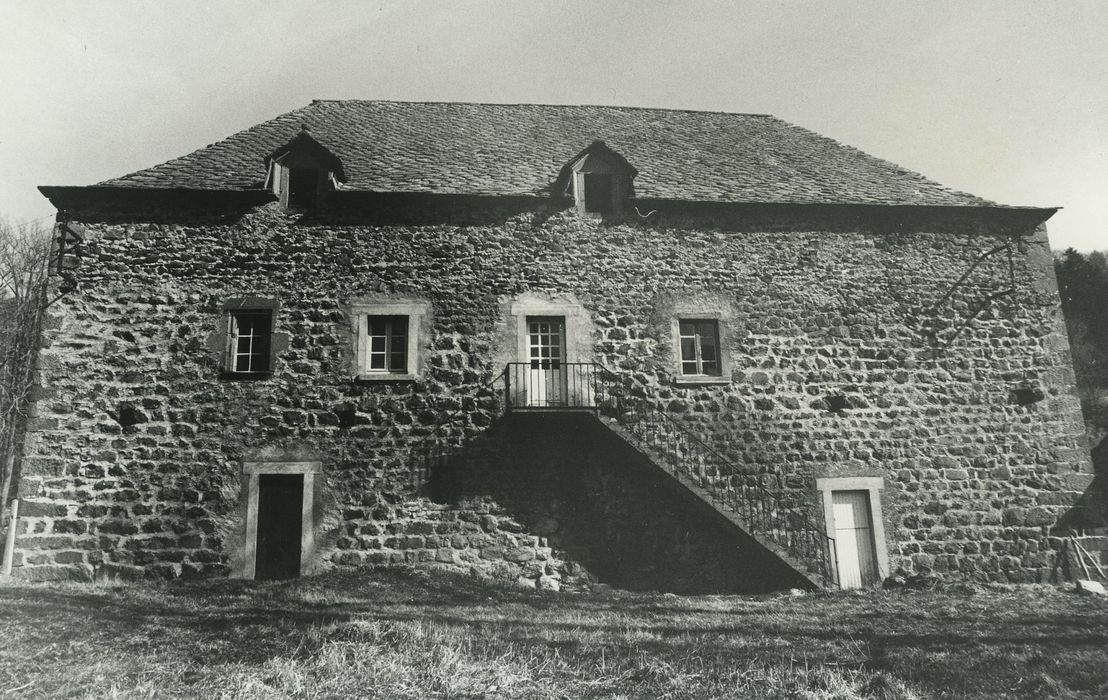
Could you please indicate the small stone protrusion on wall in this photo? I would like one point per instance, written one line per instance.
(837, 402)
(1027, 395)
(128, 414)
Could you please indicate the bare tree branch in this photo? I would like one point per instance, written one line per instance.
(969, 271)
(24, 269)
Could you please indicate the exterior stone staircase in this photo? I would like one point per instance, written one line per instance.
(798, 547)
(756, 515)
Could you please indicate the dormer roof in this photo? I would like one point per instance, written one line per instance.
(490, 149)
(596, 157)
(305, 148)
(598, 151)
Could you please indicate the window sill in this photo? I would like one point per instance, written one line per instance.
(385, 377)
(700, 380)
(244, 376)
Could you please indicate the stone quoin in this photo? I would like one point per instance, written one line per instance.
(672, 350)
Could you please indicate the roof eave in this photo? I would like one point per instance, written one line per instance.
(64, 197)
(69, 196)
(1024, 216)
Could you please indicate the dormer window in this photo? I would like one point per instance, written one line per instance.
(598, 192)
(599, 180)
(304, 187)
(302, 171)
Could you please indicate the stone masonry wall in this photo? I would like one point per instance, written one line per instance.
(133, 458)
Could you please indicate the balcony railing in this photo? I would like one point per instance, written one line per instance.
(554, 385)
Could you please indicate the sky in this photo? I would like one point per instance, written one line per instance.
(1005, 99)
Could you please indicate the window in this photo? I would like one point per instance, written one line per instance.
(387, 349)
(303, 187)
(598, 192)
(303, 171)
(387, 337)
(599, 180)
(700, 347)
(249, 341)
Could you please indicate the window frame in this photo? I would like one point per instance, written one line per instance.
(248, 306)
(608, 205)
(389, 353)
(723, 336)
(235, 320)
(417, 313)
(697, 338)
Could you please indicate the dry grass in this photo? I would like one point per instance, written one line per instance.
(405, 634)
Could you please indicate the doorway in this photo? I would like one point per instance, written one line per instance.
(280, 505)
(855, 551)
(858, 551)
(546, 354)
(279, 537)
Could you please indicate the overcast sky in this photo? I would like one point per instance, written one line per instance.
(1006, 99)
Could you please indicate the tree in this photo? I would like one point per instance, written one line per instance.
(24, 268)
(1083, 283)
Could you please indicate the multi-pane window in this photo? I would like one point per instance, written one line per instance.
(700, 347)
(387, 349)
(249, 335)
(545, 342)
(387, 338)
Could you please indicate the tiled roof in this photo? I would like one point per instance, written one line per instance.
(461, 148)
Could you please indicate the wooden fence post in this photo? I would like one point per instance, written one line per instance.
(9, 543)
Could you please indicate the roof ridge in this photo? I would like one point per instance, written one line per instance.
(542, 104)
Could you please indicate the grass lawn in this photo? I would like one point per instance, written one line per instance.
(406, 634)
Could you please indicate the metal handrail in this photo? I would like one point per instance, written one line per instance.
(555, 385)
(813, 546)
(551, 384)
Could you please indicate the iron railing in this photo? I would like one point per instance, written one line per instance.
(548, 385)
(554, 385)
(763, 510)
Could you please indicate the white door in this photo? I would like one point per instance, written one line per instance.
(854, 547)
(546, 337)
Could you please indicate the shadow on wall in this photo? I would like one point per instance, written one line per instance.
(1090, 511)
(567, 478)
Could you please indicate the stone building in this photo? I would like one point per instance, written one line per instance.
(670, 350)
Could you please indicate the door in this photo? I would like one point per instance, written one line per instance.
(854, 547)
(280, 511)
(546, 376)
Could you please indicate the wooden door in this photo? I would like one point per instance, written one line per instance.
(280, 512)
(546, 348)
(855, 552)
